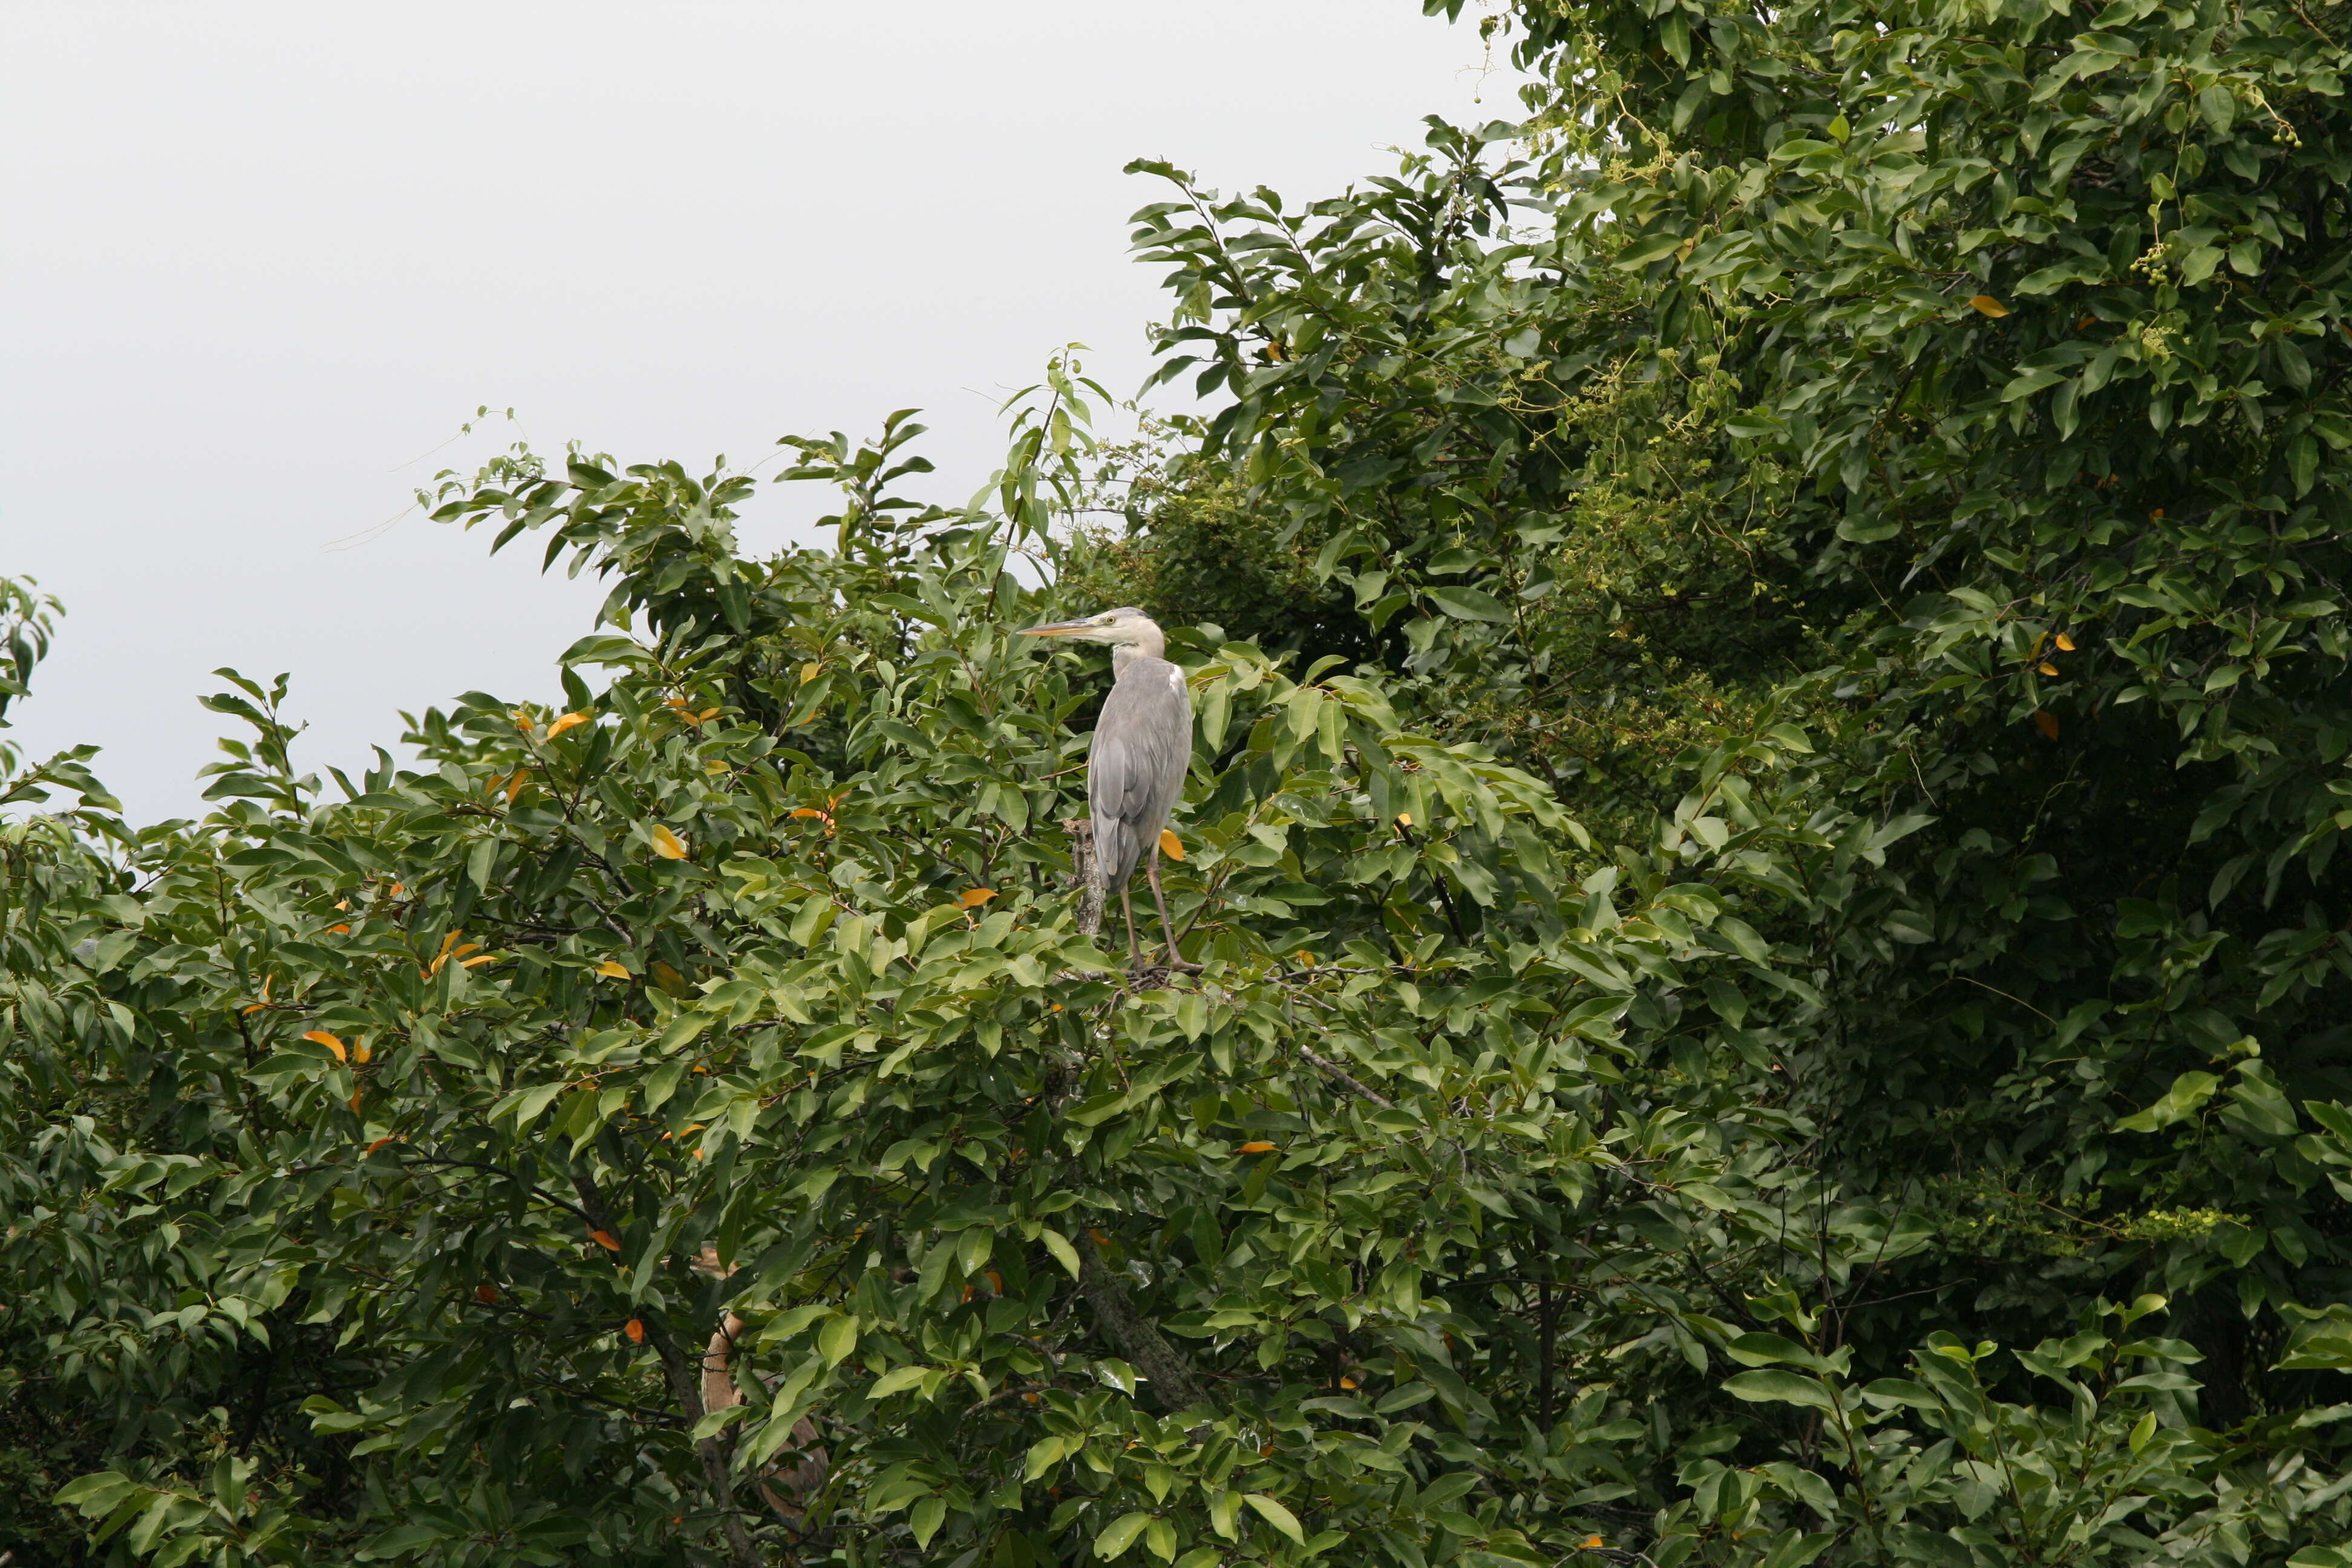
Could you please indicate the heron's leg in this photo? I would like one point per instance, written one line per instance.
(1167, 926)
(1126, 902)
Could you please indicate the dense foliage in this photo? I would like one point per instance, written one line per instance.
(1769, 646)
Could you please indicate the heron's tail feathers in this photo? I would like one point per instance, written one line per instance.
(1117, 850)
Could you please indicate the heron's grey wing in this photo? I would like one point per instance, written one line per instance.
(1143, 744)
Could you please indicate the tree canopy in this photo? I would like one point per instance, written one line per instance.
(1769, 647)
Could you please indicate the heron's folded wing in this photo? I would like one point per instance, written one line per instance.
(1143, 743)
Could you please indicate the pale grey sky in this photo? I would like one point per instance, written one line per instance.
(260, 257)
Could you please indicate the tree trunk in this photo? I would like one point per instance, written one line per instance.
(1082, 867)
(1173, 1379)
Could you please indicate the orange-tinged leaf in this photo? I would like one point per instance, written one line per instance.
(1404, 819)
(341, 930)
(603, 1238)
(2036, 651)
(810, 810)
(1988, 306)
(568, 721)
(332, 1043)
(486, 958)
(2046, 668)
(1169, 845)
(2046, 722)
(668, 845)
(514, 784)
(1592, 1543)
(355, 1102)
(612, 969)
(521, 719)
(708, 713)
(485, 1294)
(972, 897)
(2156, 514)
(636, 1328)
(1347, 1383)
(257, 1007)
(2065, 643)
(362, 1053)
(1258, 1146)
(381, 1142)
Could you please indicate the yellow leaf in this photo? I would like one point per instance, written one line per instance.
(1404, 819)
(1347, 1383)
(522, 720)
(570, 721)
(612, 969)
(668, 845)
(603, 1238)
(2046, 722)
(1592, 1543)
(514, 784)
(2065, 643)
(810, 810)
(1169, 845)
(1988, 305)
(2046, 668)
(635, 1330)
(332, 1043)
(972, 897)
(362, 1052)
(486, 958)
(808, 673)
(1258, 1146)
(707, 713)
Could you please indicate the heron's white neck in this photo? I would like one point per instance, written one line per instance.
(1147, 644)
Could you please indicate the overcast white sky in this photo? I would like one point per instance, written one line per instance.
(258, 258)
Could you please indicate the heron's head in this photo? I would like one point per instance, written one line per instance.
(1125, 626)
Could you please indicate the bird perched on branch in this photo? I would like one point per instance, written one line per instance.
(1143, 744)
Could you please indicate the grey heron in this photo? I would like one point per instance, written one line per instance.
(1143, 744)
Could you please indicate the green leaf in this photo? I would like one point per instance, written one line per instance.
(1779, 1387)
(1274, 1513)
(1064, 1253)
(1468, 603)
(1121, 1535)
(924, 1521)
(2188, 1091)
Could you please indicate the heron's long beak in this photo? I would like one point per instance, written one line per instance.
(1056, 629)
